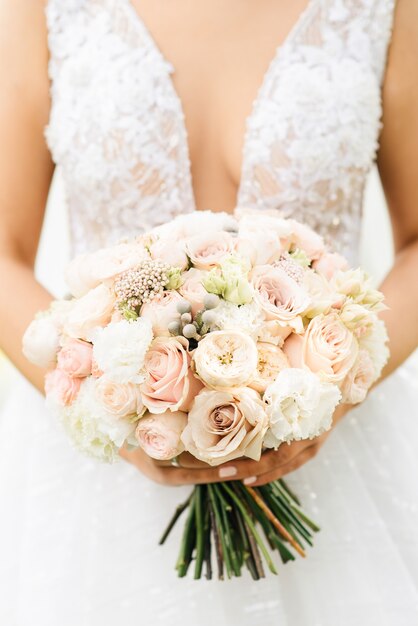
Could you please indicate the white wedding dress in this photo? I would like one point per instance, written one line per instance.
(78, 540)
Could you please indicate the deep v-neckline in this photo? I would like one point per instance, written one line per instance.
(169, 69)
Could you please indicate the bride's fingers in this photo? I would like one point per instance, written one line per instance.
(299, 460)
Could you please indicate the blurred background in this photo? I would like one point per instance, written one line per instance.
(376, 248)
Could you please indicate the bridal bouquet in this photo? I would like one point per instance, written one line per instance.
(221, 336)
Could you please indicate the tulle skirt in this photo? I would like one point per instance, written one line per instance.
(79, 540)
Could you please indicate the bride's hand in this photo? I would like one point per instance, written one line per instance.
(272, 465)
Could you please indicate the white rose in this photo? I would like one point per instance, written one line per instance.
(223, 426)
(119, 350)
(375, 342)
(196, 223)
(88, 270)
(41, 342)
(299, 406)
(225, 359)
(92, 310)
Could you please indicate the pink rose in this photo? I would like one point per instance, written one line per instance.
(359, 379)
(193, 290)
(169, 383)
(61, 388)
(271, 361)
(208, 251)
(161, 311)
(329, 348)
(280, 297)
(329, 263)
(159, 435)
(169, 251)
(120, 399)
(75, 358)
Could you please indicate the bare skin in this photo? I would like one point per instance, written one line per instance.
(232, 44)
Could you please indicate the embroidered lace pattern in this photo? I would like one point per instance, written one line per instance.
(117, 127)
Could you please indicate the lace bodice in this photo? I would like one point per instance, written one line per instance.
(117, 127)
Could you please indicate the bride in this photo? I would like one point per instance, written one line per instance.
(150, 109)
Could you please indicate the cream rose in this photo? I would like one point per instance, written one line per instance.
(169, 251)
(119, 399)
(225, 425)
(207, 251)
(41, 342)
(87, 271)
(271, 360)
(329, 348)
(323, 296)
(159, 435)
(359, 379)
(161, 311)
(193, 290)
(304, 238)
(169, 382)
(226, 358)
(280, 296)
(89, 312)
(299, 406)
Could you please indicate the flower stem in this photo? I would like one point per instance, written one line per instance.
(282, 530)
(200, 543)
(179, 510)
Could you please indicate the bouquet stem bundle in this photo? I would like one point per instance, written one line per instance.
(226, 518)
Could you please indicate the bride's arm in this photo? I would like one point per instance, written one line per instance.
(398, 166)
(25, 171)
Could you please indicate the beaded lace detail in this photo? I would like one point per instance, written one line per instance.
(118, 132)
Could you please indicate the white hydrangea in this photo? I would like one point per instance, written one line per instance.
(94, 430)
(299, 406)
(119, 349)
(247, 318)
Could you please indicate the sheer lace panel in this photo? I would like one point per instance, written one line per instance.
(117, 126)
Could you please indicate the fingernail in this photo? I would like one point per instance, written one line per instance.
(250, 480)
(227, 472)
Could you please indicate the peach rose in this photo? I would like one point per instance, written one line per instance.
(280, 297)
(159, 435)
(225, 425)
(329, 263)
(329, 348)
(193, 290)
(118, 398)
(169, 251)
(61, 388)
(75, 358)
(169, 383)
(90, 311)
(359, 379)
(207, 251)
(293, 348)
(271, 360)
(161, 311)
